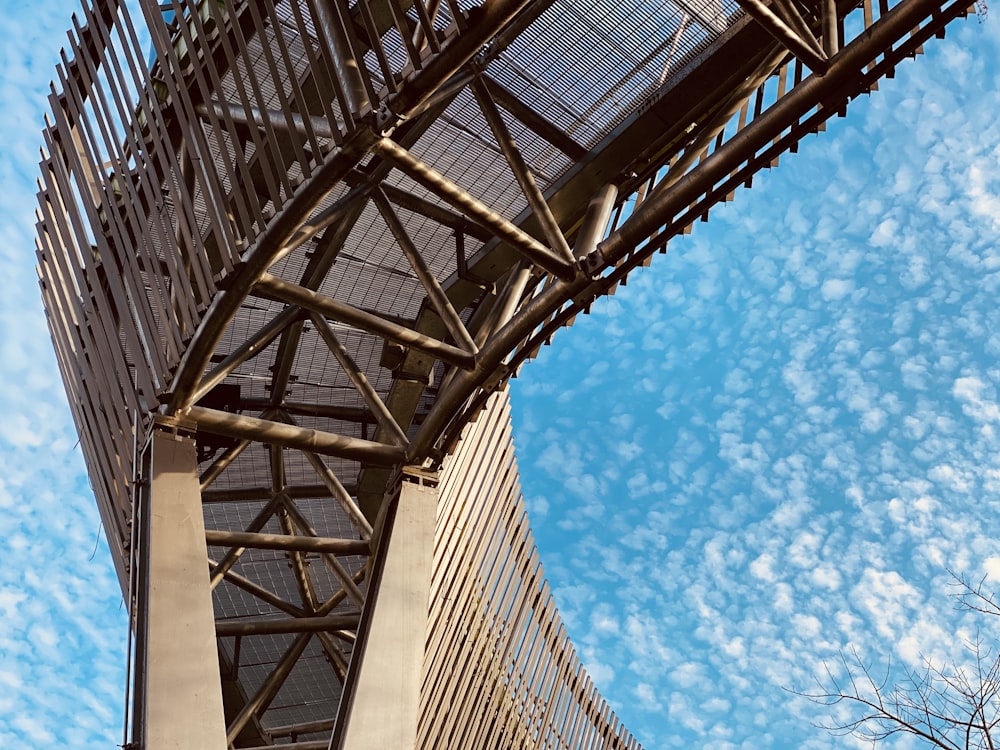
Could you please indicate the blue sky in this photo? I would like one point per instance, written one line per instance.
(769, 446)
(774, 443)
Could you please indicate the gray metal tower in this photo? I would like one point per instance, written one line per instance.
(292, 250)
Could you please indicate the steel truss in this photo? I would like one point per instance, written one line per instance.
(320, 235)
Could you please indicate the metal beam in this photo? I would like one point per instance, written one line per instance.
(272, 626)
(259, 592)
(255, 116)
(522, 173)
(269, 688)
(331, 23)
(258, 494)
(595, 221)
(341, 494)
(287, 730)
(534, 121)
(774, 25)
(332, 563)
(247, 350)
(234, 554)
(278, 433)
(354, 414)
(787, 11)
(434, 211)
(222, 463)
(442, 305)
(831, 31)
(286, 542)
(475, 209)
(274, 288)
(360, 381)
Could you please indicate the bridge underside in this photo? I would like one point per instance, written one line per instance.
(312, 239)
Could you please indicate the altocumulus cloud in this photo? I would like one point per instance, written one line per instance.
(62, 645)
(812, 379)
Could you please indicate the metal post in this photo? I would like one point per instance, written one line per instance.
(331, 27)
(181, 692)
(388, 658)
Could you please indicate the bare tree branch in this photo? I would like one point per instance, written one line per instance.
(952, 708)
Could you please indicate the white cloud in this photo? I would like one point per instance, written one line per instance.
(835, 381)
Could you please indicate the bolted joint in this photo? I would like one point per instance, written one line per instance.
(593, 264)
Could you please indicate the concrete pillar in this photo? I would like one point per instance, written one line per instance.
(383, 695)
(178, 679)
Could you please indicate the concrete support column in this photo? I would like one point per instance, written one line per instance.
(178, 684)
(381, 700)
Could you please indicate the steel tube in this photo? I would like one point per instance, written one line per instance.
(536, 201)
(325, 218)
(352, 414)
(340, 494)
(437, 212)
(360, 381)
(277, 119)
(269, 688)
(296, 558)
(233, 555)
(831, 33)
(273, 626)
(257, 494)
(595, 220)
(477, 211)
(260, 592)
(790, 14)
(534, 121)
(275, 288)
(330, 25)
(334, 654)
(277, 433)
(221, 464)
(286, 542)
(326, 607)
(442, 305)
(287, 730)
(782, 32)
(249, 349)
(446, 91)
(331, 562)
(503, 308)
